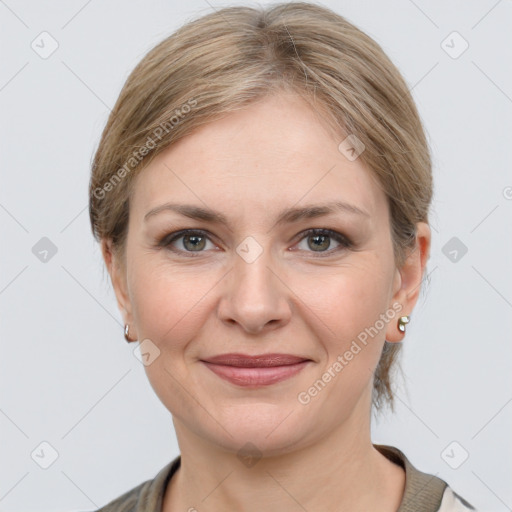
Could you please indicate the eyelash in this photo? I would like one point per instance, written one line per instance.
(167, 240)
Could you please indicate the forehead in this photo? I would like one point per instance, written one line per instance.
(271, 154)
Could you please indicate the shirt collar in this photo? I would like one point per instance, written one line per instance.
(422, 491)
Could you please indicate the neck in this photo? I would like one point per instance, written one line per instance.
(342, 471)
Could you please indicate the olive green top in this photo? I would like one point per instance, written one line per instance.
(423, 492)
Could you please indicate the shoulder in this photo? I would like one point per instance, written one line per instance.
(423, 491)
(127, 502)
(146, 496)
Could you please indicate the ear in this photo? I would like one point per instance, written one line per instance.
(408, 279)
(117, 274)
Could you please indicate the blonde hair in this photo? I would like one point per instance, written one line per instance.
(227, 59)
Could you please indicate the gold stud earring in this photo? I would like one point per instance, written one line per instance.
(402, 321)
(126, 336)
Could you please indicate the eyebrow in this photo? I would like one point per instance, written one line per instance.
(287, 216)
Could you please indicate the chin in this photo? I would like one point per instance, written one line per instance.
(269, 430)
(256, 443)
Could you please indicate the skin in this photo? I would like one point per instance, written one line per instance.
(250, 165)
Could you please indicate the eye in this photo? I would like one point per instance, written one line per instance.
(195, 241)
(319, 240)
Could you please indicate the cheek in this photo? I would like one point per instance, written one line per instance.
(169, 309)
(171, 305)
(348, 315)
(349, 299)
(331, 306)
(167, 303)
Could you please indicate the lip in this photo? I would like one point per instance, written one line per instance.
(256, 371)
(257, 361)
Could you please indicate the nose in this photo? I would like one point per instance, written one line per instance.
(255, 297)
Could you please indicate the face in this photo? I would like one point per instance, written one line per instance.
(198, 288)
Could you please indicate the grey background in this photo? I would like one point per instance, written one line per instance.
(67, 377)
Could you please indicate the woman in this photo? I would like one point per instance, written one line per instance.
(261, 195)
